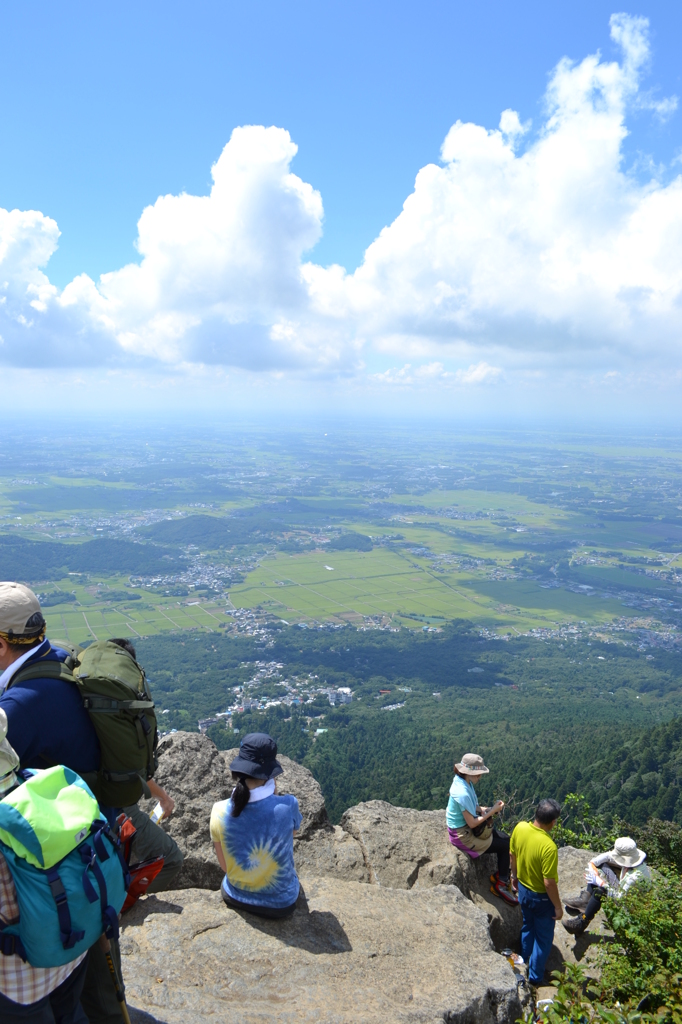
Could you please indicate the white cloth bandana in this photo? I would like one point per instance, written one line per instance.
(262, 792)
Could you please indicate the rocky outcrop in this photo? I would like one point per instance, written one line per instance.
(350, 953)
(376, 843)
(406, 849)
(192, 771)
(393, 923)
(331, 851)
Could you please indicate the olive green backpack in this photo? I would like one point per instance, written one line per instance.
(115, 693)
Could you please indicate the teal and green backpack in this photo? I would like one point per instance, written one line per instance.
(67, 866)
(114, 691)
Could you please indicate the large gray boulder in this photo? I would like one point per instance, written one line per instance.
(351, 952)
(406, 849)
(331, 851)
(192, 771)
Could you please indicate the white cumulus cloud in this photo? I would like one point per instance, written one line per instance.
(555, 248)
(527, 247)
(219, 280)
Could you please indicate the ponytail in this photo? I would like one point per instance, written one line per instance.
(240, 794)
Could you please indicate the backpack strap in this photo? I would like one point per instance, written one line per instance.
(68, 936)
(11, 945)
(105, 704)
(50, 668)
(109, 915)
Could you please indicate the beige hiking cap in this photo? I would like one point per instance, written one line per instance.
(472, 764)
(17, 604)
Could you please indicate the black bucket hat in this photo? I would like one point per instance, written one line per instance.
(257, 753)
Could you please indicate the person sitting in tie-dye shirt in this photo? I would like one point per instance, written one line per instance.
(253, 834)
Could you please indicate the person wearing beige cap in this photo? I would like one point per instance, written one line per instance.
(470, 826)
(608, 874)
(46, 721)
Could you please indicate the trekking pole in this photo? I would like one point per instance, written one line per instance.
(118, 987)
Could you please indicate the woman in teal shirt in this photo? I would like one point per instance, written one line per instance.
(470, 826)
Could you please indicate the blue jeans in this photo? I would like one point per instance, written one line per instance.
(537, 933)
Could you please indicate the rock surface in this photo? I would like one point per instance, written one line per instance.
(406, 849)
(192, 771)
(350, 952)
(331, 851)
(395, 924)
(567, 948)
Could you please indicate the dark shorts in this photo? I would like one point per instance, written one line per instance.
(274, 913)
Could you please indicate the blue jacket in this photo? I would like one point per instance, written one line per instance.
(46, 721)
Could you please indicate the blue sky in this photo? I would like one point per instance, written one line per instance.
(109, 107)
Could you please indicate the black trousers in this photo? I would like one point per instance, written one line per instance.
(597, 894)
(274, 913)
(500, 846)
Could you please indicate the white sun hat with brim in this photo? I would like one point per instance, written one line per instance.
(472, 764)
(626, 854)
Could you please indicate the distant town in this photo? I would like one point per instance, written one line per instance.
(296, 692)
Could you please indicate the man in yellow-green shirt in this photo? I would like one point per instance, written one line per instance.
(535, 863)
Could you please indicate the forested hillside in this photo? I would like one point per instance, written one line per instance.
(551, 717)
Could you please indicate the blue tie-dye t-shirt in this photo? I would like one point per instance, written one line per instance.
(258, 847)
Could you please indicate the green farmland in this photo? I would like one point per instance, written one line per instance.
(344, 586)
(92, 616)
(509, 534)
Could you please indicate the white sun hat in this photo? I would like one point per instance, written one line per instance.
(626, 854)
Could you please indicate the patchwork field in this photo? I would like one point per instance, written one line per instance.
(379, 583)
(92, 616)
(511, 533)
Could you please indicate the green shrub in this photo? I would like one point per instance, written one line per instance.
(580, 1000)
(578, 827)
(662, 841)
(646, 957)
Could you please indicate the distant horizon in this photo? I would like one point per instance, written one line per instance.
(334, 426)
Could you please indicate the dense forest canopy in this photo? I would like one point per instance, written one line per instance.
(550, 717)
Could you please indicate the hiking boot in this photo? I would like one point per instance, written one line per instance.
(578, 905)
(576, 925)
(503, 889)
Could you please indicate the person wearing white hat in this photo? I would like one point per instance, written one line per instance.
(608, 874)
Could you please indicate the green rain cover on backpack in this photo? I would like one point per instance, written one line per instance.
(67, 866)
(114, 691)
